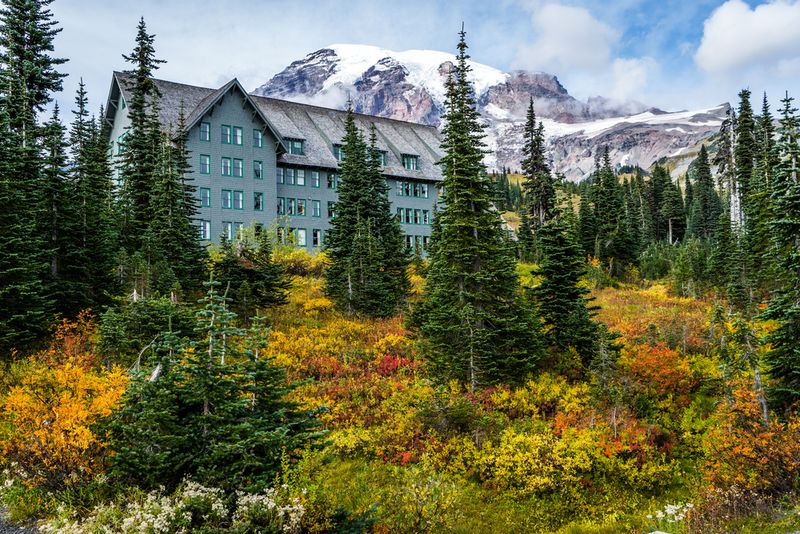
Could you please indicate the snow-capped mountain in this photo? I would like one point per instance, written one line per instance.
(410, 86)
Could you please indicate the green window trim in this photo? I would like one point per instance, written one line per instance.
(237, 133)
(205, 132)
(258, 138)
(238, 200)
(237, 169)
(301, 207)
(205, 197)
(316, 208)
(226, 170)
(258, 170)
(205, 162)
(227, 199)
(315, 179)
(258, 201)
(226, 134)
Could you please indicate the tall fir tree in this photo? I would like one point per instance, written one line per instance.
(705, 208)
(472, 319)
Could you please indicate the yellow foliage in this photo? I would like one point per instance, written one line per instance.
(50, 412)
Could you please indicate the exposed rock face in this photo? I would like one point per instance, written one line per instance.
(410, 86)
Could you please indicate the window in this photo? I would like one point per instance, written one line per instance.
(384, 157)
(316, 209)
(289, 175)
(425, 241)
(238, 200)
(411, 162)
(424, 190)
(399, 188)
(205, 131)
(407, 189)
(238, 168)
(296, 146)
(205, 164)
(301, 176)
(279, 174)
(416, 189)
(205, 230)
(227, 230)
(290, 206)
(301, 206)
(409, 215)
(258, 201)
(205, 197)
(258, 138)
(300, 237)
(331, 210)
(338, 152)
(225, 135)
(401, 215)
(237, 229)
(426, 217)
(281, 206)
(314, 178)
(258, 170)
(121, 144)
(226, 167)
(333, 181)
(227, 199)
(238, 136)
(409, 242)
(316, 237)
(417, 217)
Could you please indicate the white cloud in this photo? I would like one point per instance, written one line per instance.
(567, 37)
(631, 77)
(736, 37)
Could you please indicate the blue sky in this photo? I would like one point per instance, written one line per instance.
(670, 54)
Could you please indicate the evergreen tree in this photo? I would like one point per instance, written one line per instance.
(587, 227)
(783, 358)
(367, 273)
(613, 242)
(744, 155)
(562, 300)
(672, 212)
(705, 208)
(538, 183)
(472, 318)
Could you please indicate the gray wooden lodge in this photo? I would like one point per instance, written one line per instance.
(258, 160)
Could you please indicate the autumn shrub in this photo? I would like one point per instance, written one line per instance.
(298, 262)
(47, 417)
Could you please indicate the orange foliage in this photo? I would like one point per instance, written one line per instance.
(746, 454)
(658, 368)
(47, 416)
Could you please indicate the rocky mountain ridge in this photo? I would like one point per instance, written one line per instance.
(410, 86)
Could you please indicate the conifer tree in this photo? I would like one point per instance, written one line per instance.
(705, 208)
(538, 183)
(587, 226)
(562, 300)
(744, 155)
(472, 319)
(672, 212)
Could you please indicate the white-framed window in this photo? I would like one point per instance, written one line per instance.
(205, 131)
(238, 135)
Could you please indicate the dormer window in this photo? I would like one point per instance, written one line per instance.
(338, 152)
(296, 147)
(383, 157)
(411, 162)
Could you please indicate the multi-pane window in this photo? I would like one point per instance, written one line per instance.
(412, 189)
(238, 200)
(426, 217)
(258, 169)
(121, 144)
(238, 168)
(316, 210)
(417, 217)
(205, 131)
(384, 157)
(314, 178)
(227, 199)
(301, 176)
(301, 206)
(237, 229)
(300, 236)
(333, 181)
(205, 197)
(205, 230)
(424, 190)
(409, 215)
(401, 215)
(316, 237)
(281, 206)
(425, 241)
(290, 206)
(238, 135)
(409, 242)
(205, 164)
(408, 189)
(227, 230)
(258, 201)
(296, 146)
(338, 152)
(279, 174)
(416, 189)
(226, 167)
(226, 134)
(258, 138)
(331, 210)
(411, 162)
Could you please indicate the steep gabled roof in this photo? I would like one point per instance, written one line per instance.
(319, 127)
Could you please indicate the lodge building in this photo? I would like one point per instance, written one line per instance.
(274, 163)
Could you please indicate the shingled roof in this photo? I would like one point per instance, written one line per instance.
(319, 127)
